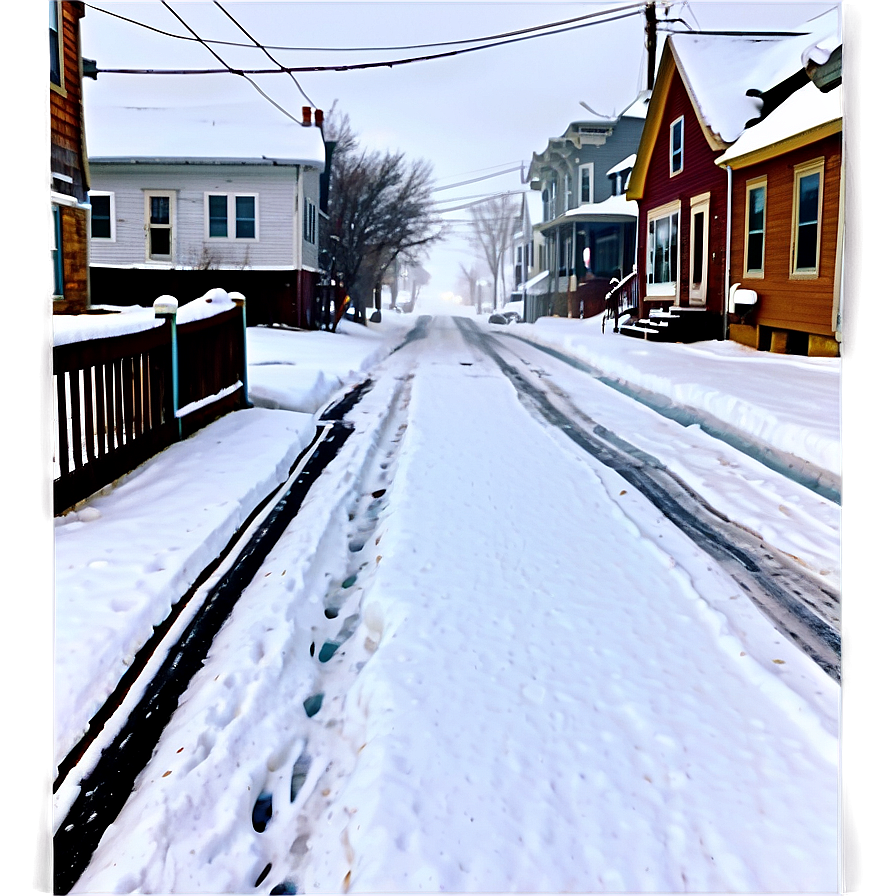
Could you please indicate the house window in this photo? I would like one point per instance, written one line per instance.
(310, 222)
(231, 216)
(676, 145)
(159, 220)
(662, 250)
(56, 254)
(699, 249)
(567, 192)
(806, 236)
(552, 199)
(586, 176)
(754, 240)
(55, 43)
(102, 217)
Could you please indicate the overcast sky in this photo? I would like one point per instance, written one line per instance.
(470, 114)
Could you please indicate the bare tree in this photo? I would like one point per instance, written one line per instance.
(493, 225)
(469, 276)
(380, 208)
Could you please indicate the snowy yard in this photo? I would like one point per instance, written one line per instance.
(476, 661)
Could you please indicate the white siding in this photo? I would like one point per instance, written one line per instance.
(274, 186)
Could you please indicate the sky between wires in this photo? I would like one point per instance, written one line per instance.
(471, 114)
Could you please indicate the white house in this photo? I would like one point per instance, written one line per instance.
(221, 212)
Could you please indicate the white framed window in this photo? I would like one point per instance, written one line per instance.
(567, 192)
(662, 250)
(676, 146)
(699, 255)
(56, 57)
(102, 215)
(586, 181)
(309, 222)
(754, 227)
(808, 187)
(160, 218)
(231, 216)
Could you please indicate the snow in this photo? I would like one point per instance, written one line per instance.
(748, 63)
(804, 111)
(733, 383)
(613, 205)
(540, 685)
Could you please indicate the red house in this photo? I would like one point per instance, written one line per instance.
(709, 89)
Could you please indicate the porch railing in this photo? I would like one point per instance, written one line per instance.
(624, 294)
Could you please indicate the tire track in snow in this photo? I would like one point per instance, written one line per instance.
(798, 607)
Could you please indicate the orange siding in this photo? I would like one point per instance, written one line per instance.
(785, 303)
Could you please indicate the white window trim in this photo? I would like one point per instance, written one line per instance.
(310, 215)
(231, 218)
(673, 173)
(800, 171)
(697, 295)
(112, 237)
(172, 225)
(671, 290)
(589, 167)
(754, 184)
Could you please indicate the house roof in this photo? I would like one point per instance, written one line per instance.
(806, 116)
(193, 160)
(627, 162)
(234, 131)
(724, 76)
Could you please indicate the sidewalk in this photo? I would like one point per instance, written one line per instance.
(127, 554)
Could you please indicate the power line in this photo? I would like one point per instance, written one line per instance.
(362, 65)
(475, 180)
(272, 101)
(264, 50)
(367, 49)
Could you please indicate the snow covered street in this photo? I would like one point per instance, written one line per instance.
(478, 660)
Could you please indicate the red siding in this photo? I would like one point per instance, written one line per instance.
(785, 303)
(700, 175)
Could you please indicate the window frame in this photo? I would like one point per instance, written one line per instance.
(806, 169)
(587, 168)
(60, 47)
(56, 257)
(148, 196)
(755, 183)
(112, 235)
(661, 290)
(309, 222)
(673, 171)
(231, 222)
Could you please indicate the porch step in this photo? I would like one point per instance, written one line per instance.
(675, 325)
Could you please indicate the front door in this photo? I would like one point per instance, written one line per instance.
(699, 261)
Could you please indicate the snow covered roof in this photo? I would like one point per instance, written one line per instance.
(613, 206)
(627, 162)
(808, 114)
(537, 280)
(234, 131)
(720, 70)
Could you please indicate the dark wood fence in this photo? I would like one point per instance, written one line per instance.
(114, 398)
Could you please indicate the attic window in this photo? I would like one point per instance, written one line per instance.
(676, 146)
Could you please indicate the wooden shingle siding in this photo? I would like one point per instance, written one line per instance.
(699, 175)
(66, 126)
(784, 302)
(275, 188)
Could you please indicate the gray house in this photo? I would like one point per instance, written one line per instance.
(588, 227)
(183, 224)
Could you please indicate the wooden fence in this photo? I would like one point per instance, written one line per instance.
(115, 397)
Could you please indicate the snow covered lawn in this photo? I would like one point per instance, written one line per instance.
(787, 402)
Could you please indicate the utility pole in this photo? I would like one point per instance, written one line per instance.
(650, 29)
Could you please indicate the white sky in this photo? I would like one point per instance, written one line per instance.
(489, 109)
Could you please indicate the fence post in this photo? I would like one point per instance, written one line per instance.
(240, 300)
(165, 307)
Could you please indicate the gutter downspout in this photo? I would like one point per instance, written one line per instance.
(727, 255)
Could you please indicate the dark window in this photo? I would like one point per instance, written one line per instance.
(55, 60)
(676, 146)
(217, 216)
(245, 217)
(756, 229)
(58, 281)
(807, 223)
(101, 217)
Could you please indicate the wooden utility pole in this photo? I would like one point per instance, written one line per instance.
(650, 29)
